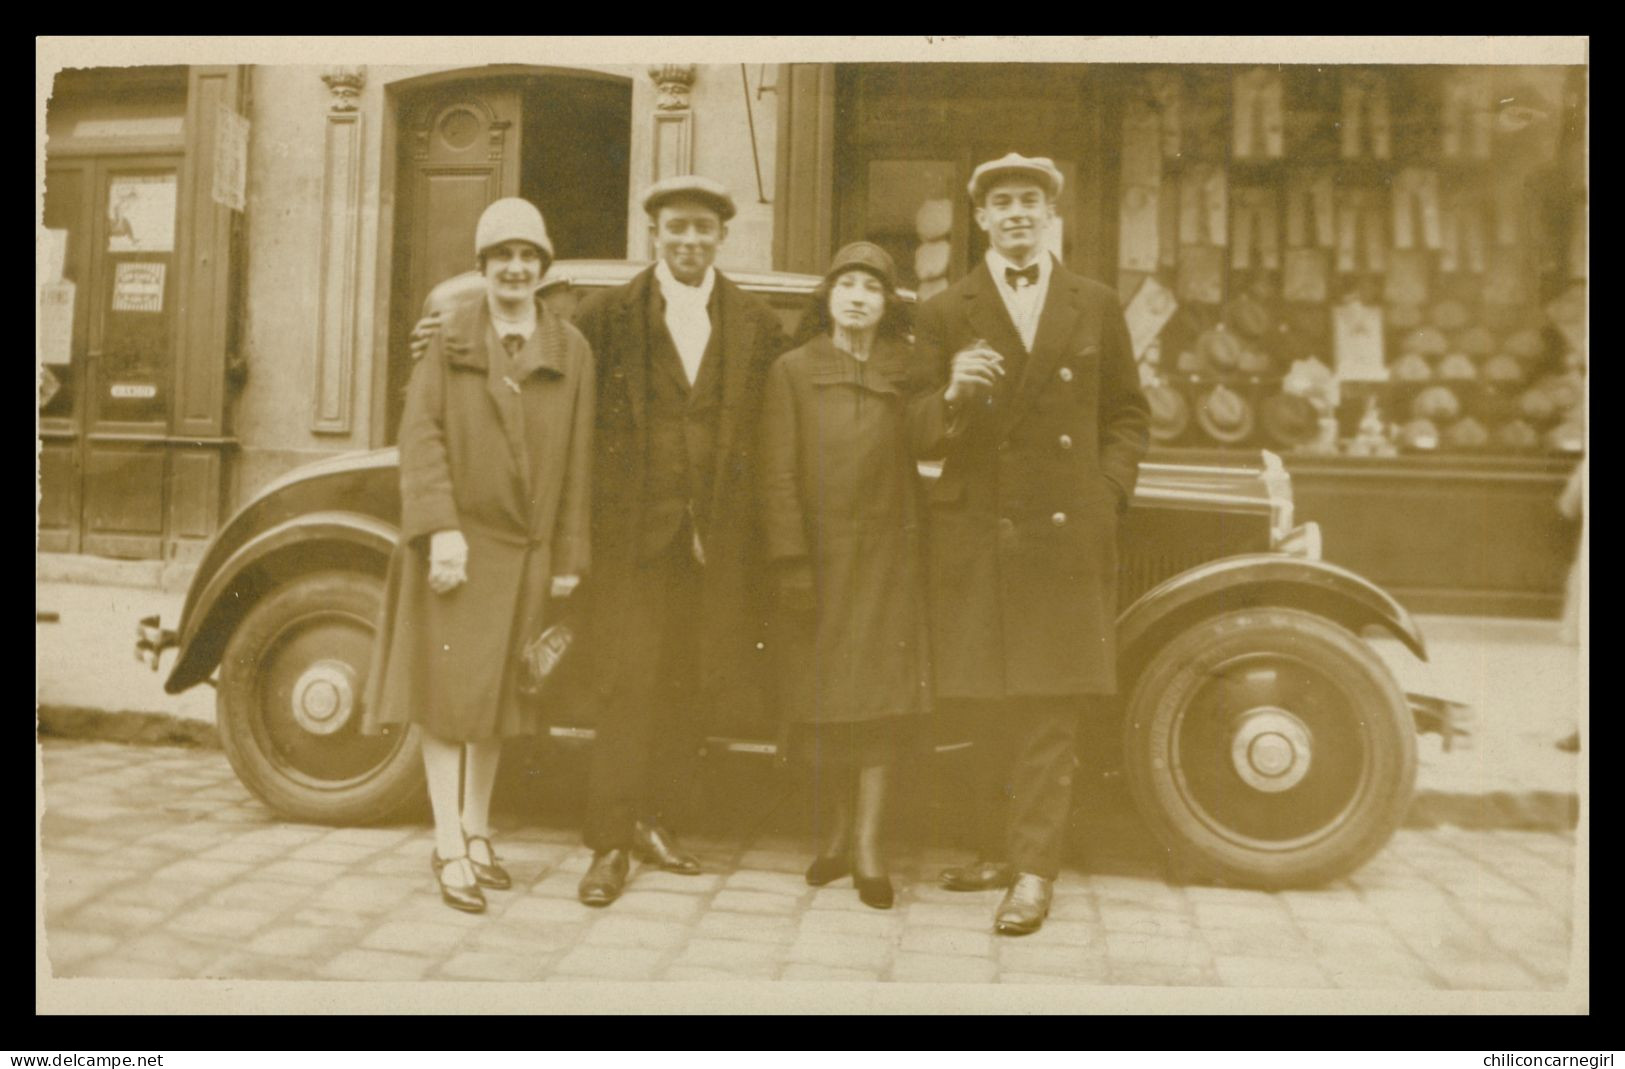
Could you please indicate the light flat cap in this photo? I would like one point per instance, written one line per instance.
(707, 191)
(1040, 169)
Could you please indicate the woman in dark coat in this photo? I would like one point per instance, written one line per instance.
(840, 501)
(495, 448)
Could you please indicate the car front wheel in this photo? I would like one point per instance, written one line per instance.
(289, 707)
(1269, 747)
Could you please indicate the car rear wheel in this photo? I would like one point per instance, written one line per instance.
(1269, 747)
(290, 705)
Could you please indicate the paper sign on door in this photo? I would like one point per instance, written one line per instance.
(138, 288)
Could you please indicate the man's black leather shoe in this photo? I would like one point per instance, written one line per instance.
(1025, 905)
(652, 843)
(606, 879)
(978, 876)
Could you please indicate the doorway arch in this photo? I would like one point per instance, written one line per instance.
(456, 140)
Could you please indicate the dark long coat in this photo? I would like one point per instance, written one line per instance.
(840, 495)
(511, 470)
(1023, 522)
(748, 336)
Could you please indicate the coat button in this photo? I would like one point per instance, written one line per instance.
(1066, 374)
(1066, 441)
(1059, 519)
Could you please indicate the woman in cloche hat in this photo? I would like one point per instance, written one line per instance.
(840, 500)
(494, 524)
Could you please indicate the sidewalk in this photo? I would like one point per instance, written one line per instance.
(1525, 687)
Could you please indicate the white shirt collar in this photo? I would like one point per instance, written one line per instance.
(996, 263)
(676, 292)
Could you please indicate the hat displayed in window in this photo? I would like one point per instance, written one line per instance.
(1040, 169)
(1437, 403)
(1289, 419)
(707, 191)
(1420, 434)
(1537, 405)
(1225, 415)
(1467, 433)
(1429, 341)
(1170, 412)
(1412, 367)
(1458, 367)
(1503, 370)
(1516, 434)
(1219, 349)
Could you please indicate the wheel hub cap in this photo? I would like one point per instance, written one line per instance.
(324, 697)
(1271, 749)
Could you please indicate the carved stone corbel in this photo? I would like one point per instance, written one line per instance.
(673, 81)
(346, 84)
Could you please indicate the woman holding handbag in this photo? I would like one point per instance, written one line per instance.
(495, 450)
(841, 520)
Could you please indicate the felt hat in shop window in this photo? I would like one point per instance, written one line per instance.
(1458, 367)
(1567, 389)
(1429, 341)
(1040, 169)
(1437, 403)
(1537, 405)
(1419, 434)
(1503, 369)
(1220, 349)
(1288, 419)
(1467, 433)
(1412, 367)
(707, 191)
(1249, 317)
(1225, 415)
(1568, 436)
(1170, 412)
(1254, 361)
(1516, 434)
(868, 256)
(511, 219)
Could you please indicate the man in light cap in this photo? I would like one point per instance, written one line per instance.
(1027, 389)
(682, 354)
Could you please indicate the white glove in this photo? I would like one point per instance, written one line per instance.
(448, 561)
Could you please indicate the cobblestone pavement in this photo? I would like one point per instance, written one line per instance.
(161, 865)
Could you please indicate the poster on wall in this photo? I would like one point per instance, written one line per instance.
(56, 322)
(231, 160)
(138, 288)
(141, 213)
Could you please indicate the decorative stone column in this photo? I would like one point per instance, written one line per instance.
(673, 120)
(340, 248)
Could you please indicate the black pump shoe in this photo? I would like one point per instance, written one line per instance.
(467, 898)
(652, 843)
(828, 869)
(493, 875)
(875, 891)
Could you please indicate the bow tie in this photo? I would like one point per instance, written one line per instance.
(1015, 277)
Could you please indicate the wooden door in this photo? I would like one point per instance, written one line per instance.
(460, 152)
(69, 200)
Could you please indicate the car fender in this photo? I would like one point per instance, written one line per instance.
(298, 544)
(1260, 579)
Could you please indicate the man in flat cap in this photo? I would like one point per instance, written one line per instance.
(682, 354)
(1027, 389)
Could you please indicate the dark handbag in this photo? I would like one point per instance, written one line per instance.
(541, 656)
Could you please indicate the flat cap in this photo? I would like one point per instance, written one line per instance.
(1040, 169)
(868, 255)
(693, 187)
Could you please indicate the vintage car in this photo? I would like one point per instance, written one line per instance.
(1264, 741)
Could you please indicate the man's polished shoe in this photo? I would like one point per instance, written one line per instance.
(978, 876)
(652, 843)
(825, 870)
(606, 879)
(1025, 905)
(493, 875)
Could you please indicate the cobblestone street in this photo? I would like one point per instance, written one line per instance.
(161, 865)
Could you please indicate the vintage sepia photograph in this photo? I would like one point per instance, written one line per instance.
(941, 525)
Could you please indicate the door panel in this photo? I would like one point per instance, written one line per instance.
(124, 500)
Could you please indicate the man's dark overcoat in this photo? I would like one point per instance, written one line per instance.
(746, 336)
(1024, 520)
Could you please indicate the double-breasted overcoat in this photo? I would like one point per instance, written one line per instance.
(747, 336)
(840, 498)
(1023, 522)
(502, 453)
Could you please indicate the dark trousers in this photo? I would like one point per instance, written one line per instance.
(645, 755)
(1027, 762)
